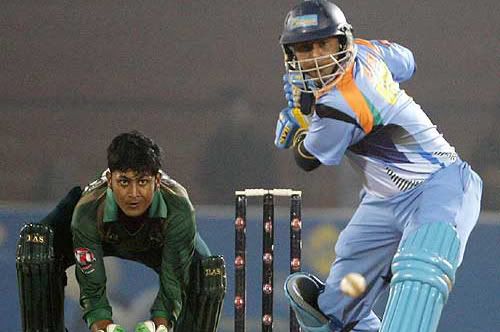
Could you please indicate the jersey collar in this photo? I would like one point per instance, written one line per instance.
(158, 208)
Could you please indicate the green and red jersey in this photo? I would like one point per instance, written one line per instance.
(162, 239)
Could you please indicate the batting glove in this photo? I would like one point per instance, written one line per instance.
(291, 122)
(292, 93)
(113, 328)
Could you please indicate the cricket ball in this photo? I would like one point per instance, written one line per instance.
(353, 285)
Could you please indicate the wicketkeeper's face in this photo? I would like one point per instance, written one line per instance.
(133, 191)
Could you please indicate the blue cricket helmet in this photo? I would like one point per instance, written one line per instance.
(313, 20)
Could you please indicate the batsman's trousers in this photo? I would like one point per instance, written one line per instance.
(369, 242)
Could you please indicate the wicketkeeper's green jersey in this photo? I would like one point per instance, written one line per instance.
(163, 239)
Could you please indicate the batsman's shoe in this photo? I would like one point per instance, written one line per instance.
(113, 328)
(290, 122)
(302, 290)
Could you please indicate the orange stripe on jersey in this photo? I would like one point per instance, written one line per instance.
(345, 76)
(349, 90)
(365, 43)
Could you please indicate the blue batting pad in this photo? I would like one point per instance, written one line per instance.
(423, 274)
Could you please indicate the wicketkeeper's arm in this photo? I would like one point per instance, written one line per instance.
(100, 325)
(89, 268)
(177, 255)
(106, 326)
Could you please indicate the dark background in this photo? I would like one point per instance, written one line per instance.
(203, 78)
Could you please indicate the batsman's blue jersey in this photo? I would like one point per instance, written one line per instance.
(371, 120)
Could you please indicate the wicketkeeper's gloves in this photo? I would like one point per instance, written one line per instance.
(149, 326)
(113, 328)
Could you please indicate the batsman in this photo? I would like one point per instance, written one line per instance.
(135, 212)
(419, 201)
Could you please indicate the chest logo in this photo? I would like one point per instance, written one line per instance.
(386, 86)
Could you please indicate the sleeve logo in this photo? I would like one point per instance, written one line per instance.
(85, 258)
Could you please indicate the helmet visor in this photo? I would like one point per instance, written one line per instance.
(316, 73)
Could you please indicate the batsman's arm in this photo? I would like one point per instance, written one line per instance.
(291, 130)
(331, 133)
(398, 59)
(303, 158)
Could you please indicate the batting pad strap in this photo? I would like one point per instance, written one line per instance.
(423, 275)
(422, 267)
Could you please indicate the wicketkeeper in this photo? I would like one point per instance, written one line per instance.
(136, 212)
(419, 201)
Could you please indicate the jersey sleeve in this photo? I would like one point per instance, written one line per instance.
(177, 255)
(331, 132)
(89, 267)
(398, 59)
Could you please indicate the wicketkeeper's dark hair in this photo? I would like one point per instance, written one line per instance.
(134, 151)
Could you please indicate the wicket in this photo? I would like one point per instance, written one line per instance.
(267, 253)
